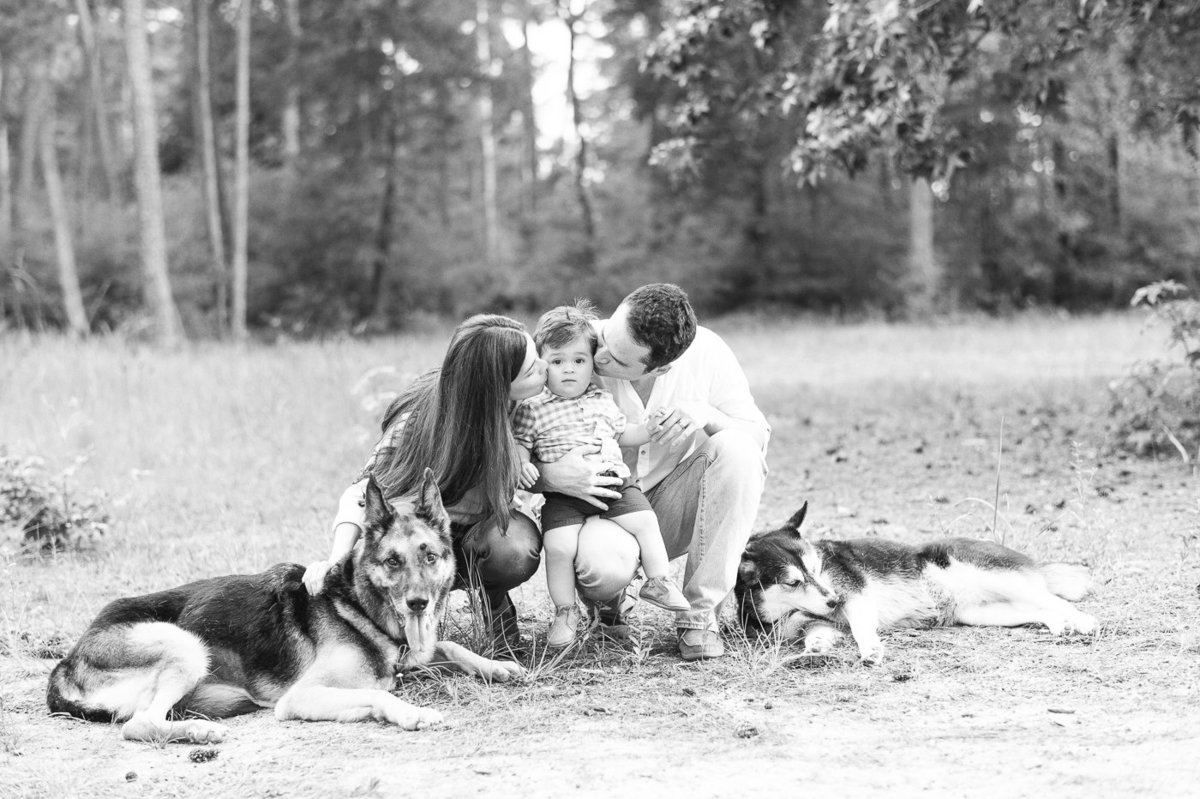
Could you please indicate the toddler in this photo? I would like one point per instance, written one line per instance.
(569, 412)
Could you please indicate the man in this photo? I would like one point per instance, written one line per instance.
(703, 473)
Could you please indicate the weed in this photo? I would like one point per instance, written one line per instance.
(43, 512)
(1156, 407)
(760, 655)
(10, 743)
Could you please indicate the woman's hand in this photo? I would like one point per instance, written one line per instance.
(314, 576)
(578, 476)
(528, 476)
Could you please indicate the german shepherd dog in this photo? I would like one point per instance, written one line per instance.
(229, 645)
(815, 589)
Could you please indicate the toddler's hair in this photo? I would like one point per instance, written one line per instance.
(562, 325)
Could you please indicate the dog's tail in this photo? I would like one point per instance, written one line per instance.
(1070, 581)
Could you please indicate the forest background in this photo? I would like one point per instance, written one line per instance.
(278, 167)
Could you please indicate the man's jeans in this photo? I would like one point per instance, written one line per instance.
(706, 509)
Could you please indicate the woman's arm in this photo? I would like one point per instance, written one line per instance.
(347, 526)
(529, 473)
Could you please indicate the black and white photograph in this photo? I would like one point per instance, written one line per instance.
(599, 398)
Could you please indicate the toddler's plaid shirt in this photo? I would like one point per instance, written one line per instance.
(551, 426)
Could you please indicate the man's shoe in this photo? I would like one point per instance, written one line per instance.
(700, 645)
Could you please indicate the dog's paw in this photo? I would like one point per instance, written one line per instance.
(411, 717)
(871, 654)
(204, 732)
(820, 641)
(1080, 623)
(502, 671)
(427, 717)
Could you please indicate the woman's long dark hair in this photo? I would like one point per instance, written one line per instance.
(458, 419)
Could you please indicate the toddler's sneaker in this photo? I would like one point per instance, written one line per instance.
(562, 630)
(662, 593)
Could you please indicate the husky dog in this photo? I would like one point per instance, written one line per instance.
(229, 645)
(816, 588)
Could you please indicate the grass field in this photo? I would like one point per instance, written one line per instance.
(218, 459)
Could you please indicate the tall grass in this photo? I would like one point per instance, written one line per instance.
(972, 352)
(225, 459)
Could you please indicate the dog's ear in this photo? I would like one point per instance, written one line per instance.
(429, 502)
(797, 518)
(377, 512)
(747, 573)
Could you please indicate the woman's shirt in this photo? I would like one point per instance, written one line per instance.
(470, 509)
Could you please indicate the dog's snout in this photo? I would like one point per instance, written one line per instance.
(417, 604)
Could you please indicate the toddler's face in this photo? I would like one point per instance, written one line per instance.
(569, 367)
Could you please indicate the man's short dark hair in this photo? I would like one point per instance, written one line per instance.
(662, 319)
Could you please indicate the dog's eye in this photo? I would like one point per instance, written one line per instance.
(392, 562)
(792, 583)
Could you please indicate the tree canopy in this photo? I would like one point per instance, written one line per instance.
(413, 157)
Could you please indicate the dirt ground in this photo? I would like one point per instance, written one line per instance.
(950, 712)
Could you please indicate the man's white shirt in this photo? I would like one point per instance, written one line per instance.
(707, 372)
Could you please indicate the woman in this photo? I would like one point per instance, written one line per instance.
(455, 420)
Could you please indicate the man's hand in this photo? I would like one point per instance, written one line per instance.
(528, 476)
(674, 427)
(576, 476)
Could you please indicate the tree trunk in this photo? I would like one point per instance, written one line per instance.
(151, 226)
(291, 98)
(373, 303)
(446, 128)
(241, 192)
(68, 275)
(8, 242)
(924, 270)
(757, 232)
(6, 192)
(1042, 178)
(529, 171)
(11, 223)
(207, 142)
(91, 55)
(1193, 193)
(487, 136)
(34, 100)
(1113, 151)
(1062, 287)
(581, 155)
(885, 182)
(995, 291)
(84, 168)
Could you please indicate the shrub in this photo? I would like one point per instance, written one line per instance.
(1157, 406)
(41, 513)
